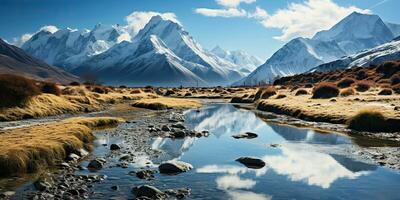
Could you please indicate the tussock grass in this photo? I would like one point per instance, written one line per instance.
(325, 90)
(16, 90)
(385, 91)
(372, 120)
(346, 82)
(301, 92)
(265, 93)
(363, 86)
(347, 92)
(50, 88)
(163, 103)
(30, 149)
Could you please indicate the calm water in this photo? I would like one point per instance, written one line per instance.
(306, 165)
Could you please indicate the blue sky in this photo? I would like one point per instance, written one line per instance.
(232, 24)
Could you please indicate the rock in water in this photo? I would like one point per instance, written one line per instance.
(96, 164)
(248, 135)
(115, 147)
(149, 192)
(251, 162)
(174, 167)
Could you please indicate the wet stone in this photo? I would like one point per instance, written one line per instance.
(174, 167)
(251, 162)
(149, 192)
(114, 147)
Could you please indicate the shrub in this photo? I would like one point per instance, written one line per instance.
(16, 90)
(301, 92)
(100, 90)
(396, 88)
(385, 91)
(345, 82)
(122, 86)
(362, 86)
(74, 83)
(395, 79)
(308, 85)
(347, 92)
(169, 92)
(188, 94)
(241, 100)
(265, 93)
(361, 75)
(281, 96)
(325, 90)
(388, 68)
(50, 88)
(368, 120)
(136, 91)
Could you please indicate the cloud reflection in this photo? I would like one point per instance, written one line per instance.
(245, 195)
(231, 169)
(314, 168)
(234, 182)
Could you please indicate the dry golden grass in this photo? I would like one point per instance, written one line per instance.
(373, 120)
(75, 99)
(30, 149)
(163, 103)
(325, 110)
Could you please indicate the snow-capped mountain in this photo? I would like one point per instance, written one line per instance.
(395, 28)
(357, 32)
(162, 53)
(175, 48)
(385, 52)
(297, 56)
(68, 48)
(354, 33)
(246, 62)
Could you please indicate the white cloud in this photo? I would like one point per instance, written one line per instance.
(233, 3)
(229, 12)
(21, 40)
(137, 20)
(229, 9)
(305, 19)
(49, 28)
(25, 37)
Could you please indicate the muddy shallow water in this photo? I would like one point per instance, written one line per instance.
(300, 163)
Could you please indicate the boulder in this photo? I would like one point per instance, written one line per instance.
(96, 164)
(251, 162)
(165, 128)
(248, 135)
(178, 125)
(149, 192)
(114, 147)
(174, 167)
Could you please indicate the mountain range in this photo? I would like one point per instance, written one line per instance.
(14, 60)
(354, 33)
(161, 54)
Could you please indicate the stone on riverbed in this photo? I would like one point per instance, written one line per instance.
(149, 192)
(178, 125)
(145, 174)
(165, 128)
(115, 147)
(174, 167)
(248, 135)
(251, 162)
(96, 164)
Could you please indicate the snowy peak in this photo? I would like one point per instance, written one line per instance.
(357, 32)
(245, 62)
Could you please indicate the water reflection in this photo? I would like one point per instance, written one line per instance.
(314, 168)
(308, 135)
(246, 195)
(222, 119)
(173, 149)
(305, 159)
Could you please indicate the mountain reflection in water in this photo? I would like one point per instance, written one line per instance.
(304, 158)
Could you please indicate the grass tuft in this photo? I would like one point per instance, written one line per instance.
(325, 90)
(16, 90)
